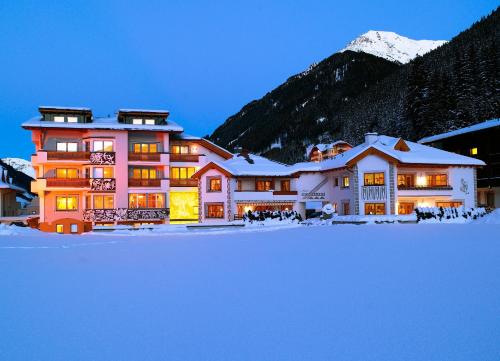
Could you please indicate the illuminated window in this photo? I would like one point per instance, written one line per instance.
(214, 210)
(183, 207)
(144, 173)
(72, 119)
(63, 173)
(149, 121)
(59, 119)
(473, 151)
(374, 179)
(103, 172)
(285, 185)
(406, 180)
(214, 184)
(103, 202)
(182, 172)
(146, 200)
(437, 180)
(145, 148)
(345, 182)
(156, 200)
(66, 147)
(451, 204)
(59, 228)
(136, 200)
(66, 203)
(73, 228)
(263, 185)
(103, 146)
(405, 208)
(137, 121)
(374, 208)
(180, 149)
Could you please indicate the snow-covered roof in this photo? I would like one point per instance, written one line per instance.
(254, 165)
(153, 111)
(54, 107)
(473, 128)
(102, 123)
(322, 147)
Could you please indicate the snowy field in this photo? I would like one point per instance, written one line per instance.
(372, 292)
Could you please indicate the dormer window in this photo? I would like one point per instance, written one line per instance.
(139, 121)
(142, 117)
(66, 114)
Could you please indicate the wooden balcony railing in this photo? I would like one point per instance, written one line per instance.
(134, 182)
(144, 157)
(425, 188)
(285, 193)
(68, 182)
(183, 182)
(55, 155)
(175, 157)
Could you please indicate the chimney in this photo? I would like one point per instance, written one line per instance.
(371, 138)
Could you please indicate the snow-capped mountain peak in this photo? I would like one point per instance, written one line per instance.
(391, 46)
(21, 165)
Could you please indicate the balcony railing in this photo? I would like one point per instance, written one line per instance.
(425, 188)
(103, 184)
(68, 182)
(144, 157)
(285, 193)
(135, 182)
(175, 157)
(183, 182)
(102, 158)
(55, 155)
(373, 193)
(125, 214)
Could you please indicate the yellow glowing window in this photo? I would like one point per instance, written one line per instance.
(59, 228)
(372, 179)
(437, 180)
(103, 202)
(66, 203)
(66, 173)
(214, 184)
(184, 206)
(182, 172)
(473, 151)
(156, 200)
(374, 208)
(345, 182)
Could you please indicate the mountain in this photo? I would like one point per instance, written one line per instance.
(353, 92)
(21, 165)
(391, 46)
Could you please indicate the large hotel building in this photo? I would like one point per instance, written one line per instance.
(139, 167)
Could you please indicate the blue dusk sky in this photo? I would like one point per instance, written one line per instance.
(202, 60)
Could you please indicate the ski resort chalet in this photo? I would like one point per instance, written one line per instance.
(141, 168)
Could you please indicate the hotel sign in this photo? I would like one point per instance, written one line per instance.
(314, 193)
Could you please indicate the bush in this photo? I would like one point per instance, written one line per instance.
(261, 216)
(438, 213)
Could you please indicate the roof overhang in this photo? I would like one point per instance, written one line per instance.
(210, 166)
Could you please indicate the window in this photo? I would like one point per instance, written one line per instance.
(405, 208)
(67, 147)
(182, 172)
(146, 200)
(149, 121)
(285, 185)
(214, 210)
(103, 202)
(67, 203)
(406, 180)
(374, 179)
(263, 185)
(73, 228)
(145, 173)
(180, 149)
(336, 179)
(145, 148)
(437, 180)
(103, 146)
(473, 151)
(451, 204)
(58, 119)
(345, 182)
(63, 173)
(137, 121)
(239, 185)
(72, 119)
(374, 208)
(346, 208)
(103, 172)
(214, 184)
(59, 228)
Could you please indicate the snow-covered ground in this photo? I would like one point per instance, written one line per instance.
(342, 292)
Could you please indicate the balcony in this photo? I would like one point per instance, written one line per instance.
(144, 157)
(285, 193)
(176, 157)
(183, 182)
(136, 182)
(374, 193)
(103, 184)
(125, 214)
(425, 188)
(68, 182)
(55, 155)
(102, 158)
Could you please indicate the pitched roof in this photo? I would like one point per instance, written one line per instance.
(473, 128)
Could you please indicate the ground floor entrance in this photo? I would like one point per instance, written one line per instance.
(184, 207)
